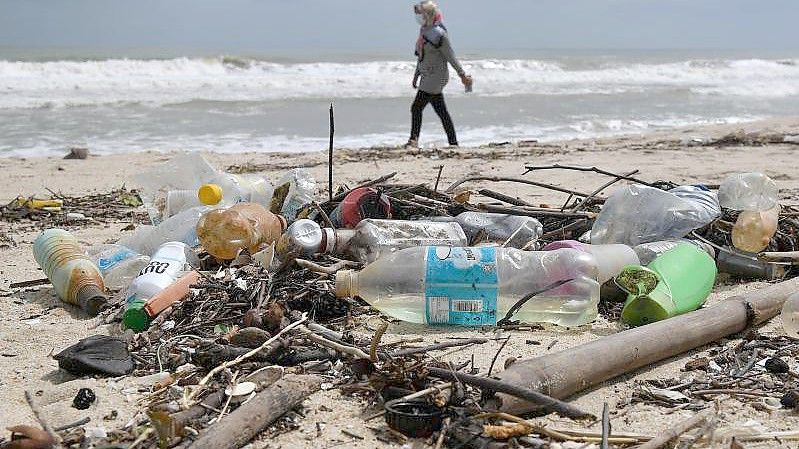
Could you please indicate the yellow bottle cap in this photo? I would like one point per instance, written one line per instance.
(209, 194)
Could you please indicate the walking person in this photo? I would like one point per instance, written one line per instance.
(433, 53)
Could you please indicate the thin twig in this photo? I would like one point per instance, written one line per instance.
(77, 423)
(530, 168)
(604, 186)
(438, 178)
(454, 185)
(344, 349)
(316, 268)
(437, 346)
(605, 444)
(494, 360)
(376, 341)
(674, 432)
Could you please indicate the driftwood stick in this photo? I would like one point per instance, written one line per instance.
(565, 373)
(316, 268)
(530, 168)
(562, 408)
(330, 156)
(37, 413)
(533, 212)
(674, 432)
(437, 346)
(370, 183)
(518, 180)
(322, 341)
(438, 178)
(504, 198)
(263, 409)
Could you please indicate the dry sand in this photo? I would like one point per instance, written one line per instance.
(26, 343)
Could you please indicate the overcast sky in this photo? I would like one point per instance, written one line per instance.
(288, 26)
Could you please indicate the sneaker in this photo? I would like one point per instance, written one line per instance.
(412, 144)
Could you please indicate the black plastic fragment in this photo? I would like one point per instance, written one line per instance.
(98, 354)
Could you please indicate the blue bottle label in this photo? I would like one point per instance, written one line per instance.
(461, 286)
(106, 263)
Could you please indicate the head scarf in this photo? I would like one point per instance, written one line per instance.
(433, 29)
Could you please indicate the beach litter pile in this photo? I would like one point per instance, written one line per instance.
(242, 297)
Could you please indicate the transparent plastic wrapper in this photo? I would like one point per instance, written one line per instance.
(177, 228)
(638, 214)
(478, 285)
(748, 191)
(511, 230)
(293, 190)
(224, 232)
(118, 265)
(183, 172)
(790, 316)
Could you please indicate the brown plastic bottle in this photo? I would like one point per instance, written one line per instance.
(224, 232)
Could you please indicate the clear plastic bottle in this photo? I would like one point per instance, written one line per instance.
(118, 265)
(638, 214)
(177, 228)
(790, 316)
(75, 278)
(161, 272)
(293, 191)
(754, 229)
(748, 191)
(179, 200)
(224, 232)
(229, 189)
(513, 231)
(610, 259)
(647, 252)
(478, 285)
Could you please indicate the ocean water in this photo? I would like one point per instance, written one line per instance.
(51, 101)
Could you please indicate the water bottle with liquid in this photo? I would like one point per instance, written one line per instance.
(478, 285)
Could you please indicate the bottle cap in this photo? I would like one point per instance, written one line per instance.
(306, 235)
(345, 284)
(209, 194)
(135, 316)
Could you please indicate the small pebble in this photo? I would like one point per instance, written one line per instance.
(84, 399)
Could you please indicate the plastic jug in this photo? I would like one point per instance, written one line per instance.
(790, 316)
(118, 265)
(75, 278)
(293, 191)
(748, 191)
(638, 214)
(162, 271)
(512, 231)
(361, 203)
(677, 282)
(224, 232)
(754, 229)
(478, 285)
(610, 259)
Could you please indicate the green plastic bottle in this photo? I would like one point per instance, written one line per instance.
(676, 282)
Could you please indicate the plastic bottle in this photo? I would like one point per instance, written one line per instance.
(610, 259)
(370, 240)
(224, 232)
(647, 252)
(513, 231)
(790, 316)
(676, 282)
(638, 214)
(478, 285)
(748, 191)
(179, 200)
(229, 189)
(293, 191)
(118, 265)
(75, 278)
(141, 312)
(361, 203)
(177, 228)
(754, 229)
(161, 272)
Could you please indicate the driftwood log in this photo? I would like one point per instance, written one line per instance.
(567, 372)
(236, 429)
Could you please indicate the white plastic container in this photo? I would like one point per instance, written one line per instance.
(163, 269)
(478, 285)
(118, 265)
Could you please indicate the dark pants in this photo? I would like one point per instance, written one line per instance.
(422, 98)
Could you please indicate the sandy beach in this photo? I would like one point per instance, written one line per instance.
(34, 324)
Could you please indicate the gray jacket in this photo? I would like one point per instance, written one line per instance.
(432, 63)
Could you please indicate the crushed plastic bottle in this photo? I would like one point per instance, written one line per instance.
(512, 231)
(748, 191)
(161, 272)
(177, 228)
(676, 282)
(118, 265)
(754, 229)
(478, 285)
(638, 214)
(359, 204)
(75, 278)
(790, 316)
(224, 232)
(370, 240)
(229, 189)
(293, 191)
